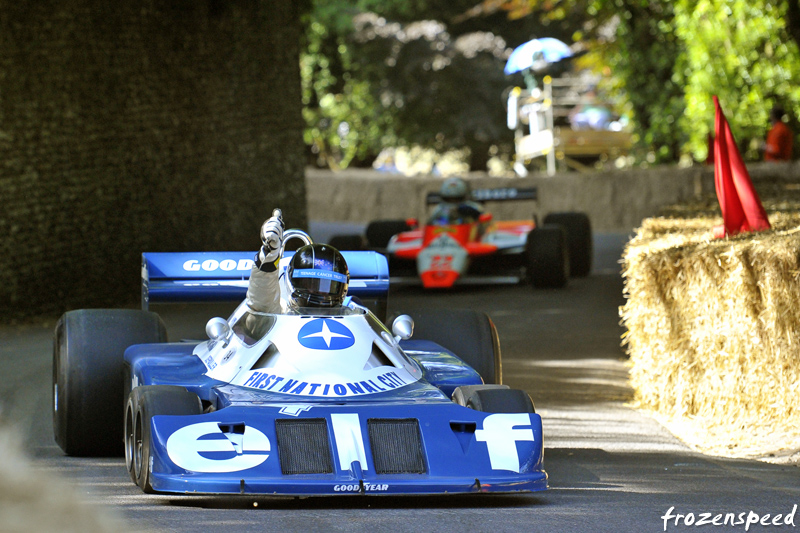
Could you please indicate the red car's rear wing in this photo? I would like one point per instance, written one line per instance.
(499, 194)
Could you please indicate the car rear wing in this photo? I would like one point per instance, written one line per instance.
(499, 194)
(223, 276)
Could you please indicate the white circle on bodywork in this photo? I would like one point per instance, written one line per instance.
(189, 451)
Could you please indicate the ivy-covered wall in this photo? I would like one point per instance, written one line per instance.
(140, 126)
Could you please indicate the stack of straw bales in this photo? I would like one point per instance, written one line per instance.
(713, 330)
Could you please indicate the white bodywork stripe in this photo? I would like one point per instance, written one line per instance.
(349, 441)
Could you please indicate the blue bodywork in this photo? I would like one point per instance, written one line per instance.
(412, 439)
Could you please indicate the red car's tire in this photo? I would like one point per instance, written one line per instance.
(546, 257)
(348, 243)
(379, 232)
(579, 241)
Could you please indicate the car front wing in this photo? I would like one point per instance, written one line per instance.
(305, 450)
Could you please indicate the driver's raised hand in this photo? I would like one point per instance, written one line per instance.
(271, 239)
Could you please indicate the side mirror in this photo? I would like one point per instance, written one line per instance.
(412, 223)
(485, 217)
(403, 327)
(217, 329)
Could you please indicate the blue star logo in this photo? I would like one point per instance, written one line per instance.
(325, 334)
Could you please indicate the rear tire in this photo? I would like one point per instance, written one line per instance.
(546, 257)
(579, 241)
(379, 232)
(470, 335)
(143, 404)
(88, 348)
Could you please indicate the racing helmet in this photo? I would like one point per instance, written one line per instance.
(317, 277)
(454, 190)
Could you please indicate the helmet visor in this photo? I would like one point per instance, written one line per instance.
(318, 287)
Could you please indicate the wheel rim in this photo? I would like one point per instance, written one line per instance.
(60, 346)
(137, 446)
(129, 439)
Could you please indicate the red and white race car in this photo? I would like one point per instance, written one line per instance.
(460, 243)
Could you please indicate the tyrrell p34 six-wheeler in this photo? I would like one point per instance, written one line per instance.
(313, 402)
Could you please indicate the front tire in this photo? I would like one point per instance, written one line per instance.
(497, 400)
(88, 348)
(143, 404)
(462, 394)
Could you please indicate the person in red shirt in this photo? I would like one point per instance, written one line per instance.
(779, 138)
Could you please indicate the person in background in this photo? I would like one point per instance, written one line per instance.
(589, 114)
(778, 146)
(457, 206)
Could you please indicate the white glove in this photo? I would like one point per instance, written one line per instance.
(272, 238)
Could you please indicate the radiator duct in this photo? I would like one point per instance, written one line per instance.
(304, 446)
(396, 446)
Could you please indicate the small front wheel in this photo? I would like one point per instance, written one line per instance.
(499, 400)
(143, 404)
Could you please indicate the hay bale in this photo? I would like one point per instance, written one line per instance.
(713, 329)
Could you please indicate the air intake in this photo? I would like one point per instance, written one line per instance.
(303, 446)
(396, 446)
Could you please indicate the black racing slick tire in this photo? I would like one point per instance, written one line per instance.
(546, 257)
(461, 394)
(346, 243)
(579, 240)
(501, 401)
(88, 346)
(379, 232)
(470, 335)
(143, 404)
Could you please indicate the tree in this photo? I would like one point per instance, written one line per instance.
(669, 58)
(742, 51)
(644, 62)
(430, 78)
(633, 41)
(411, 79)
(344, 123)
(442, 93)
(379, 83)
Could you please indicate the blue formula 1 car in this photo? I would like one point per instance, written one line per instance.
(315, 403)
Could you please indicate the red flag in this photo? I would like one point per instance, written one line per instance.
(741, 207)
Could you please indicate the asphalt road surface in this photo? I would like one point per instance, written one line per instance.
(611, 468)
